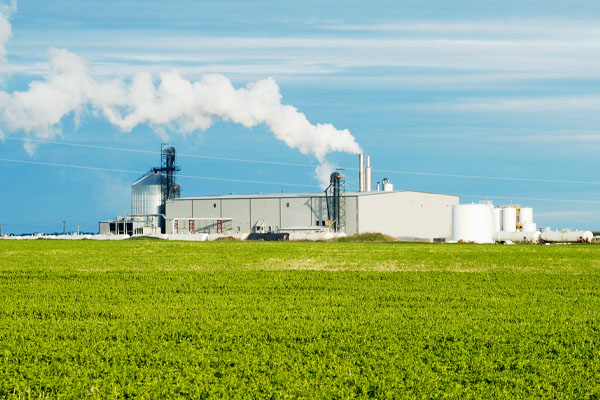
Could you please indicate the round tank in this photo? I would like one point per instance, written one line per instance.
(529, 227)
(567, 237)
(473, 223)
(509, 219)
(518, 237)
(497, 219)
(387, 185)
(525, 215)
(146, 195)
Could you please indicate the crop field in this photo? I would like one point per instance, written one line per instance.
(160, 319)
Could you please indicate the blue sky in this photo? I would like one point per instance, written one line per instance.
(481, 88)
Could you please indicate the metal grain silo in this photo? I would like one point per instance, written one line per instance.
(146, 195)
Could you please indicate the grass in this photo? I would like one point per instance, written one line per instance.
(162, 319)
(367, 237)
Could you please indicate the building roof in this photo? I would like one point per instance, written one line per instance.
(298, 195)
(151, 178)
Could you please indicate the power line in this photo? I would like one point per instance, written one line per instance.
(530, 198)
(90, 146)
(274, 183)
(416, 173)
(500, 178)
(143, 172)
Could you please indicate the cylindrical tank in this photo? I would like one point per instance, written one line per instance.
(497, 219)
(368, 175)
(518, 237)
(146, 195)
(567, 237)
(387, 185)
(525, 215)
(361, 173)
(509, 219)
(529, 227)
(473, 223)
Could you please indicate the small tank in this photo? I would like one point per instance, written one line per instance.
(387, 185)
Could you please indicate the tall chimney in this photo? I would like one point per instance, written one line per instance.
(361, 173)
(368, 175)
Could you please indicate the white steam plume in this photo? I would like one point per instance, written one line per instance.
(5, 29)
(173, 104)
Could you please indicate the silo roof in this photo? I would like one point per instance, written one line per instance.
(151, 178)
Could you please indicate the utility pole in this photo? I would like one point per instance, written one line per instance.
(77, 230)
(64, 226)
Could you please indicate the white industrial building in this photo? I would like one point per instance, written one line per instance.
(402, 214)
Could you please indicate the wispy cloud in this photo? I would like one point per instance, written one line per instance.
(545, 104)
(513, 28)
(470, 59)
(567, 213)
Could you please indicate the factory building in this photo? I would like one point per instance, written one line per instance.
(402, 214)
(156, 207)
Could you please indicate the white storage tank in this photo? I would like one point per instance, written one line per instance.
(509, 219)
(497, 219)
(473, 223)
(387, 185)
(525, 215)
(146, 195)
(567, 237)
(518, 237)
(529, 227)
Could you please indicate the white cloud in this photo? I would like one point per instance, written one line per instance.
(544, 104)
(5, 28)
(552, 53)
(173, 104)
(513, 28)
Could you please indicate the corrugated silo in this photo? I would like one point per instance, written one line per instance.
(146, 195)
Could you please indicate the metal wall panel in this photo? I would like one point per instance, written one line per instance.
(239, 210)
(178, 208)
(296, 212)
(407, 214)
(319, 210)
(266, 210)
(351, 215)
(104, 228)
(207, 208)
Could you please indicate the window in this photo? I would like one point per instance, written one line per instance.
(317, 222)
(287, 205)
(215, 205)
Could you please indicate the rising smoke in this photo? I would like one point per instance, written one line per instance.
(169, 103)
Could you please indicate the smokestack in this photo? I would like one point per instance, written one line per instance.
(361, 173)
(368, 175)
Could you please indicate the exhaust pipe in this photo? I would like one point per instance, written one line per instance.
(361, 173)
(368, 175)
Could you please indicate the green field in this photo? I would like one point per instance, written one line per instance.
(160, 319)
